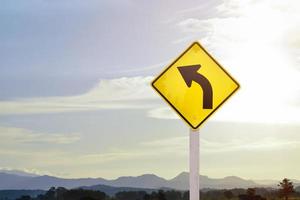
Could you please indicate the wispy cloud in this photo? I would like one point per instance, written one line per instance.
(24, 171)
(243, 36)
(180, 144)
(146, 152)
(17, 136)
(162, 113)
(53, 158)
(134, 93)
(143, 69)
(143, 150)
(265, 144)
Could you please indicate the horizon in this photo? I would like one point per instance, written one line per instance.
(29, 174)
(76, 99)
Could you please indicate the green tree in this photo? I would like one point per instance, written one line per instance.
(49, 195)
(24, 197)
(186, 195)
(147, 197)
(78, 194)
(161, 195)
(87, 198)
(228, 194)
(251, 193)
(135, 195)
(286, 188)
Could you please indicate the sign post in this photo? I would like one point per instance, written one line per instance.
(195, 85)
(194, 165)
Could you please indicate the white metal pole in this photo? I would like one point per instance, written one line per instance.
(194, 165)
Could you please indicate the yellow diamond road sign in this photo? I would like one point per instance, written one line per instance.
(195, 85)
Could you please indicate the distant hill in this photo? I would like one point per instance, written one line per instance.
(45, 182)
(8, 181)
(143, 181)
(181, 182)
(148, 181)
(231, 182)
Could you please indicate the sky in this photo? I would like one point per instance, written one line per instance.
(76, 100)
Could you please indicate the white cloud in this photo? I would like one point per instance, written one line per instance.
(264, 144)
(143, 150)
(162, 149)
(24, 171)
(16, 136)
(118, 93)
(237, 110)
(253, 40)
(162, 113)
(139, 69)
(179, 145)
(54, 158)
(193, 25)
(173, 145)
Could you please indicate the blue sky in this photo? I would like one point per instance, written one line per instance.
(76, 101)
(77, 43)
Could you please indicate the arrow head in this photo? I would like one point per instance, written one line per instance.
(189, 73)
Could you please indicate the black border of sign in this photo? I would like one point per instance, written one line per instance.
(196, 127)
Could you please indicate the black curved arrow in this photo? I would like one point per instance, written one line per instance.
(189, 74)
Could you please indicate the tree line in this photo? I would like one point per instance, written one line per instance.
(80, 194)
(285, 191)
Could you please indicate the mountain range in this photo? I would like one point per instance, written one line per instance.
(13, 181)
